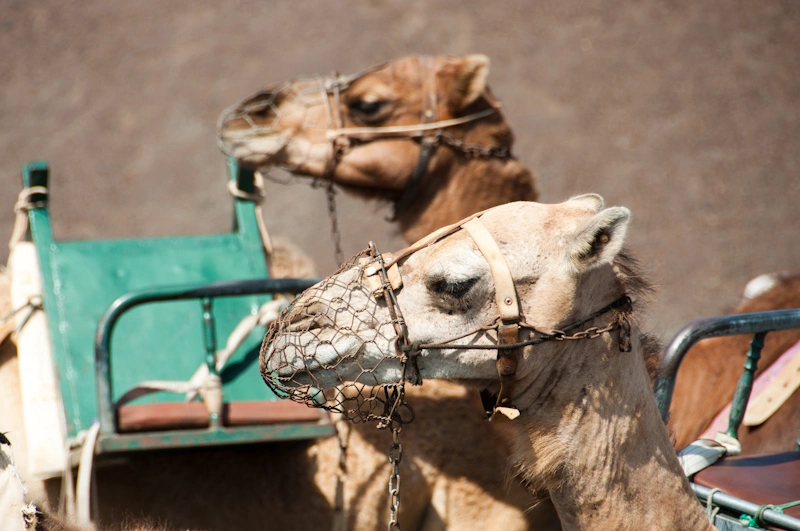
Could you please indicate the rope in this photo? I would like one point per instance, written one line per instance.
(85, 472)
(21, 207)
(756, 519)
(264, 317)
(256, 198)
(34, 303)
(712, 511)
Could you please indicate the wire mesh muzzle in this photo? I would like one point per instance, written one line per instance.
(265, 129)
(338, 343)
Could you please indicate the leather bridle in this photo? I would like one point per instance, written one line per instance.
(383, 276)
(430, 130)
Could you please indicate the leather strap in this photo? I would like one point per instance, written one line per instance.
(758, 409)
(430, 114)
(782, 380)
(505, 293)
(506, 300)
(508, 307)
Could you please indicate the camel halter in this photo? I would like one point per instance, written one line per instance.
(431, 130)
(382, 277)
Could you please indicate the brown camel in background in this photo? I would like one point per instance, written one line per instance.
(708, 374)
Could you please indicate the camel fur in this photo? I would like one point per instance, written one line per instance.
(589, 433)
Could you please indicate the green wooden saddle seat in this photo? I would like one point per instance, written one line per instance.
(160, 337)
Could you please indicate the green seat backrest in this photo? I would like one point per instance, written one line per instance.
(162, 341)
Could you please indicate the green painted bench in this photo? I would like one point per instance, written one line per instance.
(123, 311)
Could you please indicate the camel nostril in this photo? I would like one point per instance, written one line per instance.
(311, 317)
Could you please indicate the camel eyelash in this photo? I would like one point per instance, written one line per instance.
(454, 288)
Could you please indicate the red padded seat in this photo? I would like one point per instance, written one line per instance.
(765, 479)
(193, 415)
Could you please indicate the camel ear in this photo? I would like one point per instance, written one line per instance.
(593, 201)
(468, 82)
(601, 238)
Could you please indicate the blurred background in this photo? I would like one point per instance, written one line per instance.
(686, 112)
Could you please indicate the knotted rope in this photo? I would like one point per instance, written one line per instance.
(756, 519)
(256, 197)
(23, 205)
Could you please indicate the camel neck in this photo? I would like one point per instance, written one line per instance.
(611, 464)
(457, 186)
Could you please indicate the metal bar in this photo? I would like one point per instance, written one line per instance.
(228, 288)
(209, 335)
(745, 384)
(245, 179)
(210, 344)
(109, 443)
(726, 501)
(730, 325)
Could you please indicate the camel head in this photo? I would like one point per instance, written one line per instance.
(529, 302)
(376, 133)
(447, 298)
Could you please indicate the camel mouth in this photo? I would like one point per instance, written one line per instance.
(312, 357)
(254, 147)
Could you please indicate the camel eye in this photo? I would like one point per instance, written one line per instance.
(368, 111)
(454, 288)
(366, 107)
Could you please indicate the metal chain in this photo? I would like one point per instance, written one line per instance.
(589, 333)
(330, 194)
(340, 512)
(478, 150)
(395, 456)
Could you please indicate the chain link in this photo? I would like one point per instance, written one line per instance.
(395, 456)
(474, 150)
(330, 194)
(589, 333)
(340, 511)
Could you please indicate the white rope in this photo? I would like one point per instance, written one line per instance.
(711, 509)
(256, 197)
(83, 496)
(22, 206)
(264, 317)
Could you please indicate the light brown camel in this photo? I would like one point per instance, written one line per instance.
(443, 488)
(708, 374)
(588, 430)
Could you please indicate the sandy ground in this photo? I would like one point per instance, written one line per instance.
(688, 113)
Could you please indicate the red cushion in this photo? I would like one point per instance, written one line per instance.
(183, 415)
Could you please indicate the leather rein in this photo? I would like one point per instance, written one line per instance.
(430, 130)
(385, 278)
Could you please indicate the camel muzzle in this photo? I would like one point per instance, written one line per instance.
(335, 337)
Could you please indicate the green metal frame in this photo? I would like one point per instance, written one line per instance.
(759, 324)
(164, 341)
